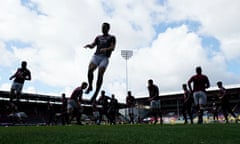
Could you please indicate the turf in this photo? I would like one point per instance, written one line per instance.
(122, 134)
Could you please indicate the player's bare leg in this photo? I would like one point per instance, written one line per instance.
(101, 71)
(12, 94)
(91, 68)
(18, 96)
(200, 115)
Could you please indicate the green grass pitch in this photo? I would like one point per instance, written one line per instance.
(122, 134)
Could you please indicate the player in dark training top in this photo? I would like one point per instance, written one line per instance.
(130, 101)
(105, 45)
(187, 104)
(154, 99)
(19, 77)
(200, 84)
(223, 97)
(74, 103)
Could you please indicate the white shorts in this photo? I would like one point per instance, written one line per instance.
(155, 104)
(101, 61)
(17, 87)
(72, 104)
(200, 97)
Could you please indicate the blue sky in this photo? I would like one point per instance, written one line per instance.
(168, 42)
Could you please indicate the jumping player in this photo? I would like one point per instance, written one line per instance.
(105, 45)
(200, 84)
(20, 76)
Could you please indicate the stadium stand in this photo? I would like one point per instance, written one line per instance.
(35, 112)
(35, 108)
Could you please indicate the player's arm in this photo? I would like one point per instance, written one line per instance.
(28, 77)
(151, 98)
(117, 105)
(92, 45)
(189, 85)
(134, 101)
(207, 83)
(223, 94)
(186, 99)
(14, 75)
(79, 97)
(127, 101)
(151, 95)
(89, 46)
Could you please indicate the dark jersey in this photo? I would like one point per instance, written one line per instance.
(200, 82)
(222, 93)
(77, 94)
(187, 98)
(113, 106)
(104, 41)
(21, 75)
(130, 100)
(64, 104)
(103, 100)
(153, 92)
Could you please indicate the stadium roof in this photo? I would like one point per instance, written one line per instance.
(215, 88)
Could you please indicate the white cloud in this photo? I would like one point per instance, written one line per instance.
(6, 56)
(30, 89)
(5, 86)
(170, 61)
(218, 18)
